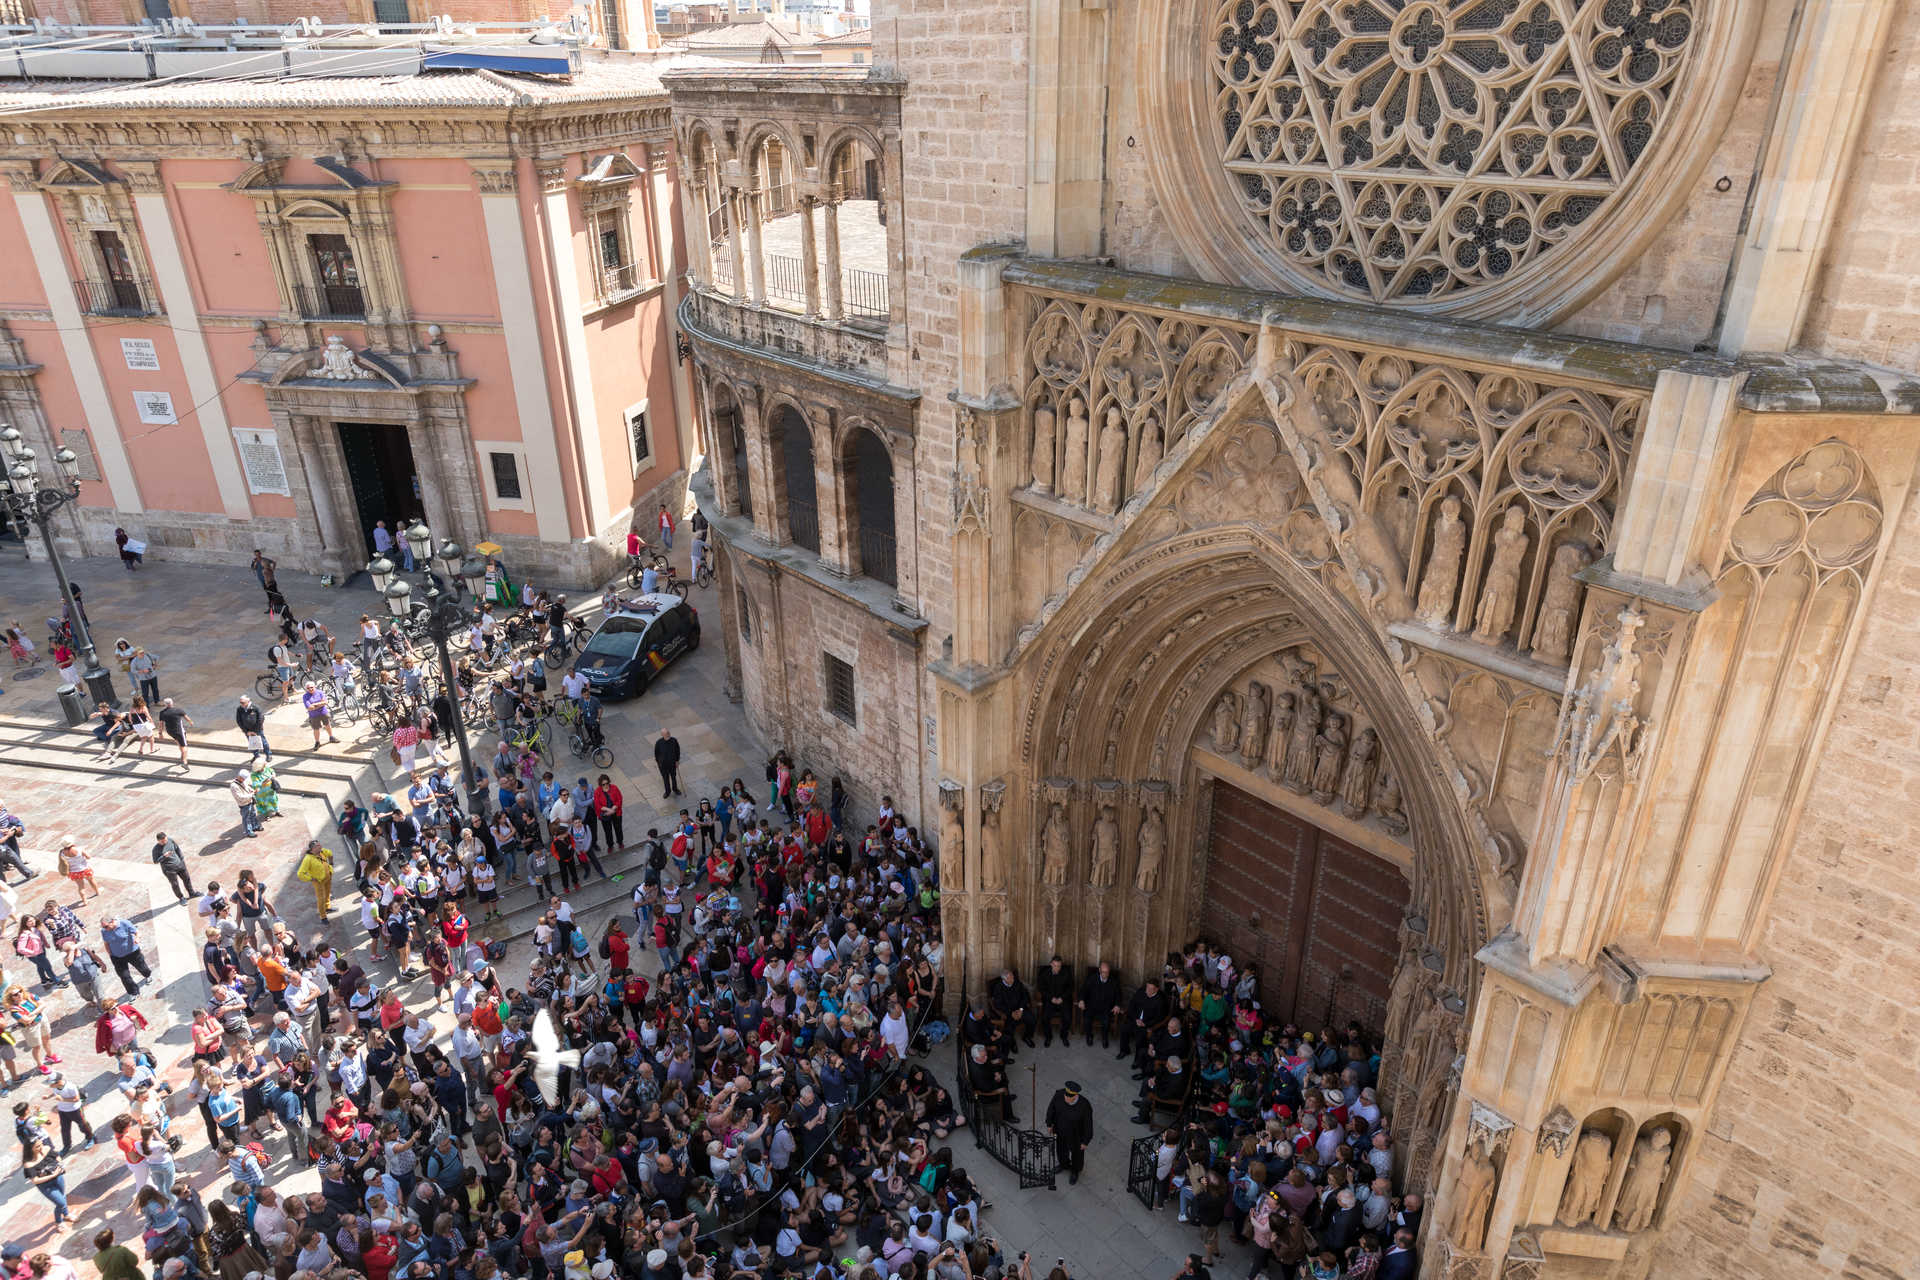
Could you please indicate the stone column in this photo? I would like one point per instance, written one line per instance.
(736, 244)
(759, 459)
(750, 206)
(830, 492)
(836, 310)
(809, 256)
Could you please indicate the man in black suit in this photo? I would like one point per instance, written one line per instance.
(1055, 985)
(1399, 1262)
(1146, 1011)
(1070, 1121)
(1100, 1004)
(666, 754)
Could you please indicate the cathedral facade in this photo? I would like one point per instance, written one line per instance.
(1415, 491)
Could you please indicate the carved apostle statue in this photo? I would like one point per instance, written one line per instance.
(1253, 724)
(1298, 775)
(1153, 847)
(1054, 846)
(1356, 784)
(1640, 1192)
(1386, 803)
(1435, 605)
(1587, 1179)
(1329, 753)
(1073, 464)
(1502, 590)
(1277, 737)
(1472, 1198)
(1148, 454)
(1553, 634)
(1109, 479)
(1045, 424)
(953, 840)
(993, 866)
(1106, 849)
(1226, 723)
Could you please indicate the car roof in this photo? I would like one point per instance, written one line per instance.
(645, 606)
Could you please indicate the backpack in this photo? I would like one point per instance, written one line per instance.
(656, 855)
(493, 950)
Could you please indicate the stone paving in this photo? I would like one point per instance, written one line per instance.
(1096, 1226)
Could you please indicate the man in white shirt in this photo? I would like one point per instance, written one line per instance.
(560, 812)
(574, 685)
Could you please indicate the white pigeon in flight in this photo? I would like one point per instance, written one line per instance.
(548, 1058)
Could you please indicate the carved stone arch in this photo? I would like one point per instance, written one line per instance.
(758, 133)
(841, 136)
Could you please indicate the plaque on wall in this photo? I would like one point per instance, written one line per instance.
(155, 407)
(140, 353)
(260, 459)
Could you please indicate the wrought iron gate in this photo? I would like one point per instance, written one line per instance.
(1142, 1160)
(1031, 1154)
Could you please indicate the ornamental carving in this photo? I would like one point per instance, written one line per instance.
(1459, 156)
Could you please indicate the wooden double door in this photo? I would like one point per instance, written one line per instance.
(1319, 916)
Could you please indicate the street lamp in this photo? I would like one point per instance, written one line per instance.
(420, 542)
(29, 503)
(441, 617)
(381, 570)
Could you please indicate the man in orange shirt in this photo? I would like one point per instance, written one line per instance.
(274, 974)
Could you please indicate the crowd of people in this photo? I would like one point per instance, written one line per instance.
(1276, 1132)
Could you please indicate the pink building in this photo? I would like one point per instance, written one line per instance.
(270, 312)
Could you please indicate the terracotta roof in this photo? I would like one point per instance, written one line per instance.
(602, 77)
(741, 35)
(863, 35)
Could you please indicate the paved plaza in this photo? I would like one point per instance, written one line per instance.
(209, 630)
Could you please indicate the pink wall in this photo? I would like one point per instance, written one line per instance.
(220, 238)
(442, 239)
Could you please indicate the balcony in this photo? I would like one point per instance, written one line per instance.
(115, 297)
(330, 302)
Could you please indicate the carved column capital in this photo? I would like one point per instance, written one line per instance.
(552, 175)
(496, 179)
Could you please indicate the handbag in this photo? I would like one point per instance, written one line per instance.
(255, 742)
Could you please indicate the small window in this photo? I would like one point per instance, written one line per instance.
(611, 255)
(640, 437)
(506, 476)
(840, 699)
(746, 616)
(859, 59)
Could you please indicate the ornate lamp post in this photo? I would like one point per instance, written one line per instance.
(31, 503)
(440, 615)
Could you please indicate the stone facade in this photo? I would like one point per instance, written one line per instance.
(1539, 575)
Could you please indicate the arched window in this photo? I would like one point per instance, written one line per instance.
(796, 456)
(870, 471)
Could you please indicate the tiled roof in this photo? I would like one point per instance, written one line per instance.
(602, 78)
(741, 35)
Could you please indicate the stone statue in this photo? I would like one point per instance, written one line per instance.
(336, 362)
(1553, 634)
(1502, 589)
(1435, 605)
(1277, 739)
(1587, 1179)
(1640, 1192)
(1253, 724)
(1045, 423)
(1108, 478)
(1298, 775)
(1356, 784)
(1153, 847)
(1106, 849)
(1386, 804)
(993, 866)
(1226, 724)
(1054, 839)
(1073, 469)
(1472, 1198)
(953, 839)
(1149, 454)
(1329, 754)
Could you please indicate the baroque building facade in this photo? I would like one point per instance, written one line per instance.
(1417, 492)
(269, 312)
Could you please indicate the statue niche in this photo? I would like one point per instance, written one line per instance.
(1298, 773)
(1105, 857)
(1329, 754)
(1055, 842)
(1045, 424)
(1587, 1179)
(1253, 724)
(1073, 470)
(1226, 723)
(1646, 1175)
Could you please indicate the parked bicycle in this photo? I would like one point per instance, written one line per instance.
(601, 755)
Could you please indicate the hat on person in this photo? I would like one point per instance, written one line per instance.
(575, 1258)
(12, 1253)
(656, 1259)
(603, 1269)
(1071, 1087)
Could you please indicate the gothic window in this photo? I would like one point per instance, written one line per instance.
(1439, 154)
(838, 678)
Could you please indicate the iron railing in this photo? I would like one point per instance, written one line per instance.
(786, 279)
(618, 280)
(864, 293)
(330, 302)
(803, 524)
(1030, 1154)
(1143, 1163)
(876, 556)
(115, 297)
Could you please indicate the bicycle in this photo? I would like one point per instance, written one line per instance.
(271, 687)
(673, 583)
(535, 737)
(638, 565)
(704, 578)
(602, 756)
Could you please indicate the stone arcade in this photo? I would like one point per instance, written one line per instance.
(1291, 561)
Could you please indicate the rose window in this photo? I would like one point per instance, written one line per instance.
(1436, 152)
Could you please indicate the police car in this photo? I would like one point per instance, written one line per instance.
(635, 642)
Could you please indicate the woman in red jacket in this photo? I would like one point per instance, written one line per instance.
(117, 1028)
(608, 807)
(616, 948)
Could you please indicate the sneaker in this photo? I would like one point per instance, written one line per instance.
(55, 1059)
(45, 1070)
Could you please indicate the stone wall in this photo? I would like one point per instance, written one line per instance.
(1816, 1137)
(1865, 305)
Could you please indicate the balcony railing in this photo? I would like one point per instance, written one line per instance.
(615, 281)
(331, 302)
(803, 524)
(876, 556)
(119, 297)
(864, 293)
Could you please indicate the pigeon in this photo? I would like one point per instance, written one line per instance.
(548, 1058)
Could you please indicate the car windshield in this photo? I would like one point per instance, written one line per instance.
(624, 624)
(614, 643)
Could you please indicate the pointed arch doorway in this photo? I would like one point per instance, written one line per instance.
(1319, 915)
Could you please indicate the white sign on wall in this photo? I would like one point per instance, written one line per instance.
(260, 459)
(155, 407)
(140, 353)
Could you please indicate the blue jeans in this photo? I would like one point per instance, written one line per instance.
(249, 819)
(666, 539)
(150, 689)
(509, 864)
(56, 1191)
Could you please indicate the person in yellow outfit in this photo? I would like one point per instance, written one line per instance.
(316, 868)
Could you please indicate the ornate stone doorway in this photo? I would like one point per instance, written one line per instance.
(1319, 915)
